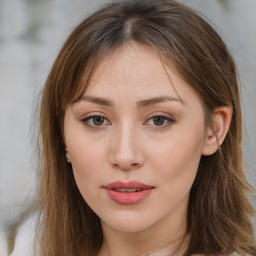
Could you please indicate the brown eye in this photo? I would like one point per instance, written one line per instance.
(98, 120)
(95, 121)
(159, 120)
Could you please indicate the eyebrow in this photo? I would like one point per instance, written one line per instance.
(152, 101)
(100, 101)
(140, 104)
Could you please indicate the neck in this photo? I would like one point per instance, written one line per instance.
(160, 238)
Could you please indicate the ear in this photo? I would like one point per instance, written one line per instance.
(217, 129)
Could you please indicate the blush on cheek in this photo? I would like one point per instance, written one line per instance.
(85, 153)
(179, 161)
(87, 160)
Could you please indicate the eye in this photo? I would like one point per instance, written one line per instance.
(160, 121)
(95, 121)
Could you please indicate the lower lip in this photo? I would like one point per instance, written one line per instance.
(128, 198)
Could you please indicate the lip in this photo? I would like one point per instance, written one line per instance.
(128, 198)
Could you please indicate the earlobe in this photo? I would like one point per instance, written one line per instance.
(217, 130)
(68, 156)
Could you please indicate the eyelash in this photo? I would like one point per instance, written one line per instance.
(167, 121)
(87, 119)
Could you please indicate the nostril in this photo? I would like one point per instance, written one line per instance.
(126, 166)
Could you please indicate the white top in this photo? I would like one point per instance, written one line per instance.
(25, 239)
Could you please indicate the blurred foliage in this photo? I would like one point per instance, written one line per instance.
(33, 1)
(223, 3)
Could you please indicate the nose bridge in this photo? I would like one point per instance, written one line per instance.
(126, 153)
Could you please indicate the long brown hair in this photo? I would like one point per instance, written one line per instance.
(218, 211)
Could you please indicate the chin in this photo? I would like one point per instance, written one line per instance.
(129, 223)
(129, 227)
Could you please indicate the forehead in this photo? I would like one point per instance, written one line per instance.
(135, 70)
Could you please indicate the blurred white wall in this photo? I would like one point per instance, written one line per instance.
(235, 21)
(31, 33)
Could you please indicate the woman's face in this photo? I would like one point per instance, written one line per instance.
(134, 145)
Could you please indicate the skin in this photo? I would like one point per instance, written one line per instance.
(127, 144)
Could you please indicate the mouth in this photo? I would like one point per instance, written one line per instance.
(129, 193)
(127, 190)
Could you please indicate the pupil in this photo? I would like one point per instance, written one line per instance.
(98, 120)
(158, 120)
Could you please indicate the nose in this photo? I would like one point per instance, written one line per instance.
(126, 149)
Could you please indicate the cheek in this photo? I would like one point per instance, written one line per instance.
(178, 160)
(87, 160)
(86, 164)
(86, 156)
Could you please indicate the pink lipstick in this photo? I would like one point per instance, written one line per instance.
(128, 193)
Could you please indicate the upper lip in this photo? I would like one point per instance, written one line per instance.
(128, 185)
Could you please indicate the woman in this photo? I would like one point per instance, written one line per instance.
(140, 139)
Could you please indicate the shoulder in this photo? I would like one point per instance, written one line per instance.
(24, 242)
